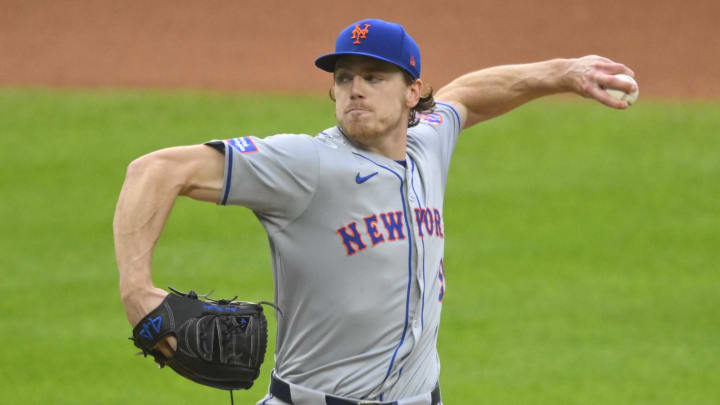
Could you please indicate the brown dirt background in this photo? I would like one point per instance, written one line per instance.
(238, 45)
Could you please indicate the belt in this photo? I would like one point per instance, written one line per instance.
(281, 390)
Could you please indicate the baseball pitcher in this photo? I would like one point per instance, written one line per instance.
(354, 214)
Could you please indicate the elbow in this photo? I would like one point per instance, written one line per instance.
(143, 168)
(161, 170)
(151, 170)
(136, 167)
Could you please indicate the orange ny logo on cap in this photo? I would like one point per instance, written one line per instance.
(359, 33)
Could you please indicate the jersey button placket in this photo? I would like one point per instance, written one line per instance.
(413, 203)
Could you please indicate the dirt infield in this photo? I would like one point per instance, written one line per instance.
(257, 46)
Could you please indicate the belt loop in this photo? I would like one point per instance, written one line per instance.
(280, 389)
(436, 397)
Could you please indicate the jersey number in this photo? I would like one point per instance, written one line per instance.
(441, 276)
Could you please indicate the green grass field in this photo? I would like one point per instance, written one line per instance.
(582, 256)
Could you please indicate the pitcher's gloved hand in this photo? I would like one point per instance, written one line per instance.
(220, 343)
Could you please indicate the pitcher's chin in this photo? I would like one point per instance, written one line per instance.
(360, 133)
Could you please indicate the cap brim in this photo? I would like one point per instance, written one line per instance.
(327, 62)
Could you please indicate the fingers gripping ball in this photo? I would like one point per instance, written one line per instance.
(621, 95)
(220, 343)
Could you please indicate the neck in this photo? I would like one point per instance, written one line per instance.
(391, 145)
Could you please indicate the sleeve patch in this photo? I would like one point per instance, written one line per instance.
(431, 118)
(243, 145)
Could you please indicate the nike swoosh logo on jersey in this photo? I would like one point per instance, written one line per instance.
(362, 179)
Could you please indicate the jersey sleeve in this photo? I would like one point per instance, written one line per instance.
(437, 133)
(449, 127)
(275, 176)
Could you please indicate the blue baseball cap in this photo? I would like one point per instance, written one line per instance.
(377, 39)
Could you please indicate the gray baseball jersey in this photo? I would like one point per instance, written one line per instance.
(357, 250)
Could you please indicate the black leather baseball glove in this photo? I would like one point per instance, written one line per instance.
(220, 343)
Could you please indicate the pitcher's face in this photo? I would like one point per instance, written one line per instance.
(372, 98)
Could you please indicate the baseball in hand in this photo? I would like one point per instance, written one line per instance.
(621, 95)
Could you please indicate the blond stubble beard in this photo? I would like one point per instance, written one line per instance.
(364, 134)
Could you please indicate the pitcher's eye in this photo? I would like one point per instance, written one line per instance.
(342, 78)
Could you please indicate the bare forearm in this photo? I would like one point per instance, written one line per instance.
(487, 93)
(142, 210)
(493, 91)
(152, 185)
